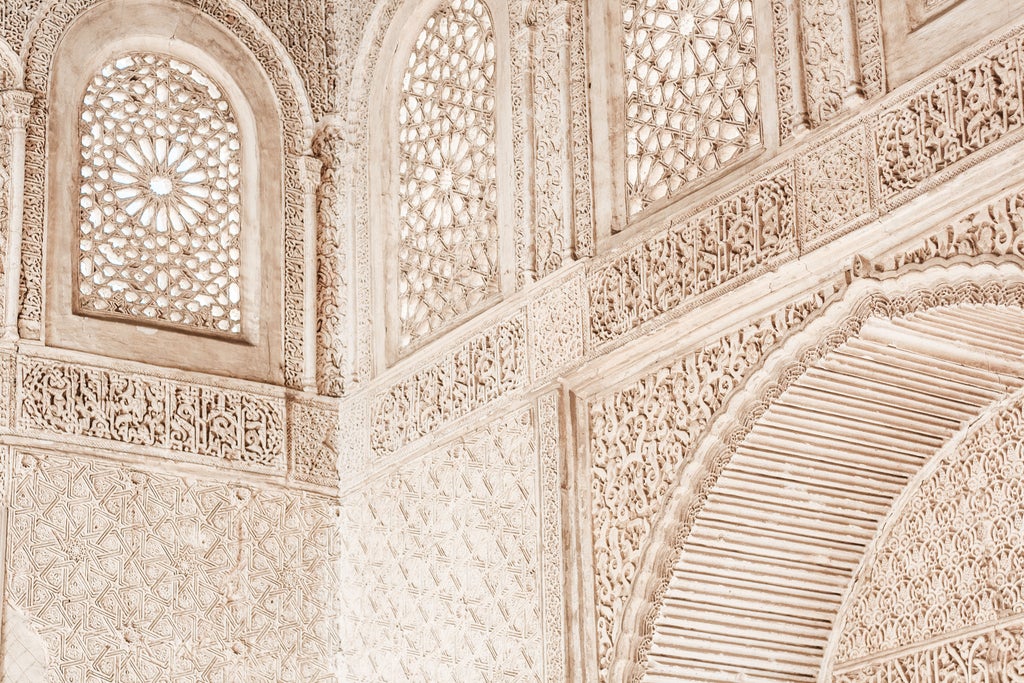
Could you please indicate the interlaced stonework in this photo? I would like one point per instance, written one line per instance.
(160, 202)
(691, 92)
(447, 190)
(953, 560)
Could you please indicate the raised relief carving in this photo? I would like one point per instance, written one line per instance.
(579, 112)
(737, 236)
(954, 558)
(244, 429)
(334, 333)
(948, 120)
(160, 200)
(557, 323)
(129, 575)
(691, 93)
(833, 189)
(869, 47)
(447, 172)
(551, 119)
(455, 592)
(993, 230)
(313, 441)
(642, 435)
(823, 47)
(789, 119)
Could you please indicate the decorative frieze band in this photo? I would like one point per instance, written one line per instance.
(739, 235)
(861, 171)
(486, 366)
(69, 398)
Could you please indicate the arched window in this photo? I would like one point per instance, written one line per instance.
(441, 186)
(165, 237)
(160, 197)
(691, 92)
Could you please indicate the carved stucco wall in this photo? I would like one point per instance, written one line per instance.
(199, 512)
(128, 573)
(940, 596)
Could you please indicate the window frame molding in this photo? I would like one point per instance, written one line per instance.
(98, 37)
(404, 28)
(606, 41)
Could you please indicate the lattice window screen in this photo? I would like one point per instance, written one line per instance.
(691, 92)
(448, 246)
(160, 196)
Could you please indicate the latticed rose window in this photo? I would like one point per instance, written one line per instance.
(691, 92)
(160, 202)
(448, 247)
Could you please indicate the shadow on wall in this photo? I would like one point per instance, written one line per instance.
(24, 652)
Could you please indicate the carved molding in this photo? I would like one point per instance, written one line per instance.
(579, 122)
(633, 643)
(823, 48)
(296, 122)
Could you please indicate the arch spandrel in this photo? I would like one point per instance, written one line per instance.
(707, 599)
(11, 71)
(945, 570)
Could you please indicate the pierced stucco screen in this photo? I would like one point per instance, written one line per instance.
(160, 202)
(448, 247)
(691, 92)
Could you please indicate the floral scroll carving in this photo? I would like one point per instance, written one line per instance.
(954, 558)
(334, 333)
(551, 119)
(823, 41)
(691, 93)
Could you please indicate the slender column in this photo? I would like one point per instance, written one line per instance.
(334, 338)
(311, 170)
(16, 105)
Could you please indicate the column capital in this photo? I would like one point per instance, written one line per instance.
(16, 106)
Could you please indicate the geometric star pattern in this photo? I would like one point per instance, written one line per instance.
(133, 577)
(691, 92)
(448, 250)
(159, 203)
(443, 566)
